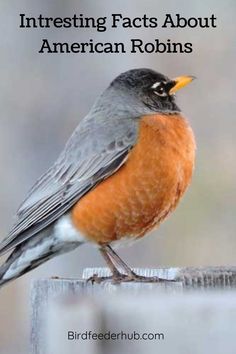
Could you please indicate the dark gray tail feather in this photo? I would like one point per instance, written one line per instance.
(32, 253)
(11, 259)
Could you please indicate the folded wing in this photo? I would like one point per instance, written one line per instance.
(94, 152)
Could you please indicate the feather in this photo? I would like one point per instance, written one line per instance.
(94, 152)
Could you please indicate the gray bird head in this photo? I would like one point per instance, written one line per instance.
(140, 91)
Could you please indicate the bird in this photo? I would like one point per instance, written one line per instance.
(121, 173)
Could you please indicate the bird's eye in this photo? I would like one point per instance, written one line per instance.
(159, 89)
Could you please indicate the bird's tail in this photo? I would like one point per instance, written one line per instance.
(32, 253)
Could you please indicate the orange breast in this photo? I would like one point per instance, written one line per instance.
(146, 188)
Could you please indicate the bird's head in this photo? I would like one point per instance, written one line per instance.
(150, 89)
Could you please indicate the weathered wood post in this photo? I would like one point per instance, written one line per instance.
(69, 315)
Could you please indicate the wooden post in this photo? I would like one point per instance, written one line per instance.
(190, 321)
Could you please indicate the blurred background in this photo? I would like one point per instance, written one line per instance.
(44, 96)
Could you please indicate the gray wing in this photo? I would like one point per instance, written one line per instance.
(95, 151)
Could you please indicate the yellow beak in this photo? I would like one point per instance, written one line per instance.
(180, 82)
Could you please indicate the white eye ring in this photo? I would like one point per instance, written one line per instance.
(159, 92)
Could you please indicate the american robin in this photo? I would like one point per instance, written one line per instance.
(123, 170)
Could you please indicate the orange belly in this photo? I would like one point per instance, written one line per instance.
(146, 188)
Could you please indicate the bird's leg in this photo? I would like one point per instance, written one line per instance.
(115, 258)
(112, 259)
(130, 274)
(114, 270)
(116, 276)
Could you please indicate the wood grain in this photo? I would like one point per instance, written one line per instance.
(185, 310)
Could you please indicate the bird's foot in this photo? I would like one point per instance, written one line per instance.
(117, 278)
(95, 279)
